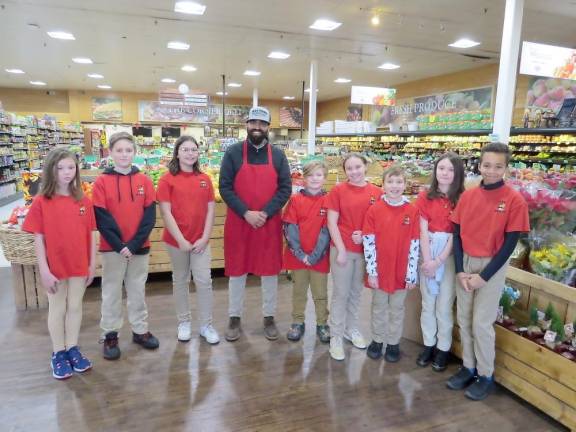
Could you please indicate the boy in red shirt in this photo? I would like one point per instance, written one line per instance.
(124, 203)
(391, 238)
(488, 222)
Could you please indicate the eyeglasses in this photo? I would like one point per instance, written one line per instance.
(188, 150)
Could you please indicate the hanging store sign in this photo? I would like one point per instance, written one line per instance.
(291, 117)
(107, 108)
(154, 111)
(548, 61)
(373, 96)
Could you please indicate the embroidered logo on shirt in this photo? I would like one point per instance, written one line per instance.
(501, 207)
(140, 190)
(322, 212)
(82, 211)
(203, 184)
(372, 200)
(406, 220)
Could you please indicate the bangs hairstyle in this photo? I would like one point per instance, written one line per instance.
(310, 167)
(354, 155)
(114, 138)
(394, 171)
(496, 148)
(49, 180)
(174, 164)
(457, 186)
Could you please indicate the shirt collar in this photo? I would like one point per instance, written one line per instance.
(492, 186)
(403, 201)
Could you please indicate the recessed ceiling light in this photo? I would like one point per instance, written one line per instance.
(233, 84)
(95, 76)
(278, 55)
(342, 80)
(189, 68)
(375, 20)
(220, 93)
(61, 35)
(325, 25)
(464, 43)
(15, 71)
(288, 98)
(308, 90)
(178, 45)
(189, 7)
(82, 60)
(104, 87)
(38, 83)
(168, 80)
(252, 73)
(388, 66)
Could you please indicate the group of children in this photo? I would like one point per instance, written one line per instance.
(456, 243)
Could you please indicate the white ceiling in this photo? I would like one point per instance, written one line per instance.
(127, 41)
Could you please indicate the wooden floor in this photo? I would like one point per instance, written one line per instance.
(250, 385)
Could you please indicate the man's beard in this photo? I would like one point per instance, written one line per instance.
(258, 139)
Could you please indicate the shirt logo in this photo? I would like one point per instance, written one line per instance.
(82, 211)
(372, 200)
(203, 184)
(140, 190)
(406, 220)
(322, 212)
(501, 207)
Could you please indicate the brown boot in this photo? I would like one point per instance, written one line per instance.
(270, 330)
(234, 329)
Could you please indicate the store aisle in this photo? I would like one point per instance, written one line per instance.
(249, 385)
(5, 212)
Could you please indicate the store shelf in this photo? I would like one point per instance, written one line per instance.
(11, 198)
(475, 132)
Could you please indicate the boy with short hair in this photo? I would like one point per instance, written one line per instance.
(488, 222)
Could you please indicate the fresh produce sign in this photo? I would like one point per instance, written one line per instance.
(154, 111)
(373, 96)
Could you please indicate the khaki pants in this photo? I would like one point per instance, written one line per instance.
(200, 265)
(388, 316)
(318, 283)
(65, 313)
(132, 273)
(348, 282)
(437, 317)
(476, 314)
(237, 288)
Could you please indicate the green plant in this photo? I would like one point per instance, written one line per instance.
(557, 326)
(549, 312)
(506, 302)
(533, 315)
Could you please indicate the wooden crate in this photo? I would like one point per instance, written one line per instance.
(542, 377)
(28, 290)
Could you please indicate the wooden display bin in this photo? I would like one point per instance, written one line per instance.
(538, 375)
(28, 290)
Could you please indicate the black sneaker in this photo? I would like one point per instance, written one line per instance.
(111, 350)
(146, 340)
(296, 331)
(461, 379)
(392, 354)
(440, 362)
(374, 350)
(425, 356)
(323, 332)
(480, 389)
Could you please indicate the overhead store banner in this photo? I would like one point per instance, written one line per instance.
(460, 110)
(548, 93)
(291, 117)
(107, 108)
(154, 111)
(548, 61)
(373, 96)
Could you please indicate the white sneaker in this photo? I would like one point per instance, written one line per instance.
(356, 338)
(184, 331)
(337, 348)
(210, 334)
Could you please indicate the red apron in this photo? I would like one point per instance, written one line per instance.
(253, 250)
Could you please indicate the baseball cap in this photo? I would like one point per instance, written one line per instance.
(259, 113)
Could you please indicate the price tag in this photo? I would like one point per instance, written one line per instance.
(541, 315)
(550, 336)
(500, 316)
(569, 329)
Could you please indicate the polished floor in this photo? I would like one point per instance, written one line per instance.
(249, 385)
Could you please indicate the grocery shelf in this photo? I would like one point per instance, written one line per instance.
(11, 198)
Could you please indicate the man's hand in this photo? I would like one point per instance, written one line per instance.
(255, 219)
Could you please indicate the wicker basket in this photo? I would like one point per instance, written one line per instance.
(18, 246)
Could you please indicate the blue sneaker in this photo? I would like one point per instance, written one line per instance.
(77, 360)
(61, 368)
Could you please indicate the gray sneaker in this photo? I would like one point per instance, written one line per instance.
(296, 331)
(234, 329)
(270, 330)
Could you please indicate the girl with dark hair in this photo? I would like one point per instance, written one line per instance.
(437, 277)
(187, 204)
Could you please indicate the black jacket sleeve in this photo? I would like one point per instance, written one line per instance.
(458, 250)
(322, 246)
(284, 189)
(501, 257)
(228, 171)
(108, 228)
(146, 224)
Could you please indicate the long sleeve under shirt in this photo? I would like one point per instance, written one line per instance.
(231, 164)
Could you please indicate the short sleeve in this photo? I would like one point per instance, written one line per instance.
(415, 233)
(92, 218)
(98, 193)
(456, 215)
(164, 189)
(34, 222)
(290, 213)
(518, 219)
(421, 204)
(333, 199)
(150, 192)
(368, 227)
(211, 196)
